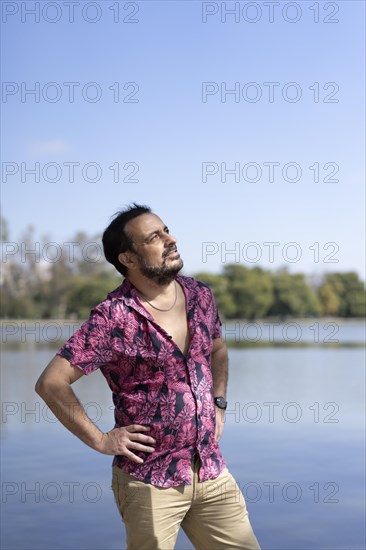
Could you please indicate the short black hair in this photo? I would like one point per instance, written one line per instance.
(115, 239)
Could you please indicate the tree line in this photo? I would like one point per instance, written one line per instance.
(37, 287)
(255, 293)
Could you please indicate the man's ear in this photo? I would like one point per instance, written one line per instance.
(127, 259)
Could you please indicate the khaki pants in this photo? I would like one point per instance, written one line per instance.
(213, 513)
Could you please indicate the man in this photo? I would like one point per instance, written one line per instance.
(157, 341)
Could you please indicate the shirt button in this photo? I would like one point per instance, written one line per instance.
(170, 337)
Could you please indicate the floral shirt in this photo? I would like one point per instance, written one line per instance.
(153, 383)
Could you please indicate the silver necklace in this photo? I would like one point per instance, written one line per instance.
(158, 308)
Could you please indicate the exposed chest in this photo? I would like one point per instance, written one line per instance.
(174, 322)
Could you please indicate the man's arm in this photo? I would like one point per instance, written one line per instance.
(219, 369)
(54, 386)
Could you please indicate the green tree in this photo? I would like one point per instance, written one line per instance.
(251, 291)
(16, 300)
(51, 295)
(329, 299)
(33, 285)
(293, 296)
(87, 293)
(349, 291)
(4, 229)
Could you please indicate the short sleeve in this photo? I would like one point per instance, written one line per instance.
(89, 347)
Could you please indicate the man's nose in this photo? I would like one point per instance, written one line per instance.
(170, 240)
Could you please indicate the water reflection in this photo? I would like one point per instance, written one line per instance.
(237, 332)
(293, 439)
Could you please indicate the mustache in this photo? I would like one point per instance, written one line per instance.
(171, 248)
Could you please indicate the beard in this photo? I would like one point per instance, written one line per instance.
(163, 274)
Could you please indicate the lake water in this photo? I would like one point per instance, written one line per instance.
(293, 439)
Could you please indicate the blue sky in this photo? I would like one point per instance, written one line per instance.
(169, 132)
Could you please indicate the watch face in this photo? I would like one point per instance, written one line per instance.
(221, 402)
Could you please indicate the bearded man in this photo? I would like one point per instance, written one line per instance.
(157, 340)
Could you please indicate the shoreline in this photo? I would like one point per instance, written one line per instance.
(344, 320)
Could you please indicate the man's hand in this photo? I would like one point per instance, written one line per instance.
(119, 441)
(219, 423)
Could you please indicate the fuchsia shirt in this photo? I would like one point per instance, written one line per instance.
(153, 383)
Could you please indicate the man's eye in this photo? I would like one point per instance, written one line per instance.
(153, 237)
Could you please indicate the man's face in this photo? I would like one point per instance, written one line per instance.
(154, 248)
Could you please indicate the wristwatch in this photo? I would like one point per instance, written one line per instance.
(220, 402)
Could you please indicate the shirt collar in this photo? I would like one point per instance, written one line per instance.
(128, 294)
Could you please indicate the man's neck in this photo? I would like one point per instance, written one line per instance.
(150, 289)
